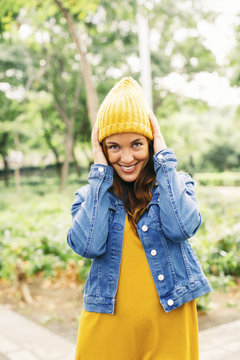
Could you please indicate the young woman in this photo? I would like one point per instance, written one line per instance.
(134, 220)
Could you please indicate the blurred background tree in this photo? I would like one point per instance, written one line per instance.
(58, 60)
(62, 56)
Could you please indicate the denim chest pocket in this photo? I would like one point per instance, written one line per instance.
(111, 214)
(153, 217)
(115, 225)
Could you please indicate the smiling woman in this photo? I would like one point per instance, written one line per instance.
(134, 220)
(128, 153)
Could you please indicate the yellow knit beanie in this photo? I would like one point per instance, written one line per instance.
(124, 110)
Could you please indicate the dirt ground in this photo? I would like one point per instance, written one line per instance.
(57, 305)
(224, 307)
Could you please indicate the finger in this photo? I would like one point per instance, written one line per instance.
(95, 132)
(154, 121)
(153, 118)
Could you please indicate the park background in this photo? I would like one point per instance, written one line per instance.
(58, 60)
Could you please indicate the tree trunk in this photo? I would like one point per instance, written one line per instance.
(5, 170)
(92, 99)
(47, 136)
(69, 141)
(6, 177)
(3, 152)
(78, 168)
(16, 170)
(22, 282)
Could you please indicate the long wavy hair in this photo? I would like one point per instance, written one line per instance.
(135, 195)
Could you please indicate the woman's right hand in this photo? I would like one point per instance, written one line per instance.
(98, 155)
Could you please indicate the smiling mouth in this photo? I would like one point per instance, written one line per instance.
(128, 168)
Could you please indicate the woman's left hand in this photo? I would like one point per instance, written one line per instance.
(158, 140)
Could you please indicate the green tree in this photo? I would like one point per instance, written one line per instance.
(72, 10)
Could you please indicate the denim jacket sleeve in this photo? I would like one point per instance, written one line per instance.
(89, 231)
(179, 214)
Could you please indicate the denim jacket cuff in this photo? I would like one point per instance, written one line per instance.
(100, 171)
(165, 156)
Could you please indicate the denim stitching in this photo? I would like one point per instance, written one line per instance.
(94, 213)
(173, 203)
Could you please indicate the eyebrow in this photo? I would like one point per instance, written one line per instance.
(115, 143)
(111, 143)
(136, 140)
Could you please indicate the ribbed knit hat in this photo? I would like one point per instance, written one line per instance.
(124, 110)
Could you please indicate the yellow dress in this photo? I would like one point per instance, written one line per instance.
(139, 328)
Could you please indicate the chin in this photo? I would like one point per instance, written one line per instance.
(128, 179)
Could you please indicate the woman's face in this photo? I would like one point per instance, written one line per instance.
(128, 154)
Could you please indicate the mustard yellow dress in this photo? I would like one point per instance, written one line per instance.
(139, 328)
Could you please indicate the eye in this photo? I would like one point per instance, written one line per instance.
(137, 145)
(113, 147)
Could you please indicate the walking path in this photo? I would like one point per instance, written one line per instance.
(22, 339)
(221, 342)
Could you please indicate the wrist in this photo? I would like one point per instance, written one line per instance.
(99, 158)
(159, 145)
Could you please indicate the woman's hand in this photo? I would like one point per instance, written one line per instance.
(98, 155)
(158, 140)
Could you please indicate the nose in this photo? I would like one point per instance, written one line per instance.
(126, 157)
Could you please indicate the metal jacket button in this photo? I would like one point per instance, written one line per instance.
(100, 169)
(153, 252)
(160, 277)
(170, 302)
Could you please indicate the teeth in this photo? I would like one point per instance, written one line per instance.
(127, 167)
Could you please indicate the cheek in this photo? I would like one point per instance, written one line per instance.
(112, 158)
(143, 155)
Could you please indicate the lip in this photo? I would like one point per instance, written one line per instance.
(128, 171)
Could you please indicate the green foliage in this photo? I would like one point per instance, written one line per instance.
(225, 257)
(80, 8)
(33, 228)
(9, 11)
(217, 243)
(218, 179)
(84, 269)
(205, 58)
(223, 156)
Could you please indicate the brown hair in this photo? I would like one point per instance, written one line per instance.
(136, 195)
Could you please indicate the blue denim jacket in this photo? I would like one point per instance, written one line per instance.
(171, 218)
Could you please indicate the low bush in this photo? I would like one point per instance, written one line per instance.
(217, 243)
(33, 228)
(218, 179)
